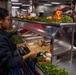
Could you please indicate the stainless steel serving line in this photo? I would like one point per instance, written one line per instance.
(68, 65)
(61, 36)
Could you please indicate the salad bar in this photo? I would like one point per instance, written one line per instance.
(42, 61)
(50, 38)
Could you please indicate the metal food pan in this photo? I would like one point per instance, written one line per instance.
(26, 35)
(32, 38)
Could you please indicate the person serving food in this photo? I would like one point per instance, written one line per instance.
(7, 47)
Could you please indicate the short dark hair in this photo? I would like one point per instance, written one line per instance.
(73, 2)
(3, 13)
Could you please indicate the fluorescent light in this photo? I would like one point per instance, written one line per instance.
(15, 7)
(25, 4)
(23, 9)
(14, 0)
(47, 4)
(17, 3)
(55, 3)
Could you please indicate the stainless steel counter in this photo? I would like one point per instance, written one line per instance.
(68, 65)
(61, 47)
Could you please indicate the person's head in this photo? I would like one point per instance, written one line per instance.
(4, 18)
(73, 4)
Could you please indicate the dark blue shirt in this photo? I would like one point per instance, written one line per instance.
(7, 58)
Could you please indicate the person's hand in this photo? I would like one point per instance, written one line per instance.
(24, 44)
(33, 54)
(75, 16)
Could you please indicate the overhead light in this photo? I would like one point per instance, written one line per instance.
(17, 3)
(55, 3)
(23, 9)
(47, 4)
(25, 4)
(15, 7)
(14, 0)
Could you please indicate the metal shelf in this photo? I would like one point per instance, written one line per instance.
(47, 23)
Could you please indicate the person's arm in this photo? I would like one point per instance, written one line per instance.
(72, 6)
(21, 45)
(7, 58)
(32, 54)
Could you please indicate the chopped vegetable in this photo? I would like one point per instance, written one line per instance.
(50, 69)
(57, 18)
(39, 58)
(66, 19)
(17, 38)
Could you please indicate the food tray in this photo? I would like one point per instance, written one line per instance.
(36, 47)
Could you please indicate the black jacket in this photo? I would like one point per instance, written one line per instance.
(7, 58)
